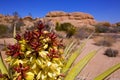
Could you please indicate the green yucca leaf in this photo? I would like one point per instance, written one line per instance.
(106, 73)
(79, 66)
(68, 47)
(72, 58)
(69, 53)
(2, 66)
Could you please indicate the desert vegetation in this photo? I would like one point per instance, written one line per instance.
(106, 28)
(84, 31)
(111, 52)
(3, 30)
(29, 71)
(77, 38)
(104, 40)
(67, 27)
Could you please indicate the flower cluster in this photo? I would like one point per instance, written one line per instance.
(37, 55)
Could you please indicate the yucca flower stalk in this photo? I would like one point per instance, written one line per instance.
(37, 55)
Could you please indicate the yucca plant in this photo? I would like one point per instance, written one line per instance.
(39, 55)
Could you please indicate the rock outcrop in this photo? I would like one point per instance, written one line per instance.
(76, 18)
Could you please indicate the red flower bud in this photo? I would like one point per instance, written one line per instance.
(40, 25)
(18, 37)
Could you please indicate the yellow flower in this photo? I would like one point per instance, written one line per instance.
(45, 46)
(43, 54)
(23, 47)
(30, 76)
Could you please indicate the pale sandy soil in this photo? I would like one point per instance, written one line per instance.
(97, 65)
(99, 62)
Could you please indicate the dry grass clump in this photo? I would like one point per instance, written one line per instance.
(104, 41)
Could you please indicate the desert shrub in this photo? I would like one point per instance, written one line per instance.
(106, 29)
(57, 27)
(118, 23)
(115, 29)
(71, 31)
(63, 26)
(104, 41)
(101, 29)
(107, 24)
(111, 52)
(67, 27)
(83, 32)
(3, 30)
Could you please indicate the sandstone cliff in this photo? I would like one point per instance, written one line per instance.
(76, 18)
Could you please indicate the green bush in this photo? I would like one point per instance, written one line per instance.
(71, 31)
(57, 27)
(67, 27)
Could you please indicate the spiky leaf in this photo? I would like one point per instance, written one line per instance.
(2, 66)
(74, 55)
(106, 73)
(72, 58)
(79, 66)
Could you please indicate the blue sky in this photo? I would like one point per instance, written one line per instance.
(102, 10)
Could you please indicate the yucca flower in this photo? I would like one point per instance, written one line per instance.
(14, 50)
(21, 71)
(36, 55)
